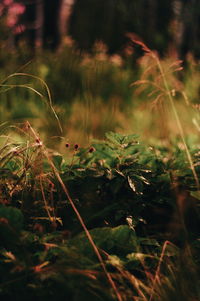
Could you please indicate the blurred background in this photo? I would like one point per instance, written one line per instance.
(80, 51)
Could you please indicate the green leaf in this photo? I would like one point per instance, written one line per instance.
(57, 160)
(131, 184)
(120, 139)
(114, 137)
(6, 173)
(11, 222)
(149, 242)
(195, 194)
(143, 179)
(14, 217)
(131, 139)
(119, 240)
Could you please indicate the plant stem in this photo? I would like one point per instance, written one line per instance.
(110, 280)
(177, 120)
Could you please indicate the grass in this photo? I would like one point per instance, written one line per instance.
(86, 218)
(79, 91)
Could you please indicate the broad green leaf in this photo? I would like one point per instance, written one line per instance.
(121, 240)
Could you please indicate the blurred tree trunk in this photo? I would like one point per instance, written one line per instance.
(158, 23)
(191, 15)
(39, 24)
(51, 32)
(186, 22)
(177, 27)
(152, 16)
(42, 19)
(65, 13)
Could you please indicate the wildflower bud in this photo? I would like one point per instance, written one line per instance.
(67, 145)
(38, 141)
(91, 150)
(76, 146)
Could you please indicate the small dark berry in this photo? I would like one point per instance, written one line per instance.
(92, 149)
(37, 140)
(67, 145)
(76, 146)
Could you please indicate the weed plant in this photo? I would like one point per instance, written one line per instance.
(88, 105)
(124, 193)
(112, 219)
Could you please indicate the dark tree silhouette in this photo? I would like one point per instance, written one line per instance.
(160, 24)
(110, 20)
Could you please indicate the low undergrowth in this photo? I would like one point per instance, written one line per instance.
(117, 220)
(114, 220)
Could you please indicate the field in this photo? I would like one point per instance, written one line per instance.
(100, 169)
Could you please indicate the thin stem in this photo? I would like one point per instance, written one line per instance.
(177, 121)
(156, 278)
(109, 278)
(45, 202)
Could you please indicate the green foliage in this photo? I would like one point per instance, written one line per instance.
(128, 195)
(140, 203)
(120, 241)
(12, 216)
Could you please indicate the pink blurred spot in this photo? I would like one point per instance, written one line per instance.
(11, 21)
(16, 9)
(7, 2)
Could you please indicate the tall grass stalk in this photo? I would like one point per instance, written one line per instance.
(109, 278)
(167, 91)
(2, 84)
(157, 274)
(180, 127)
